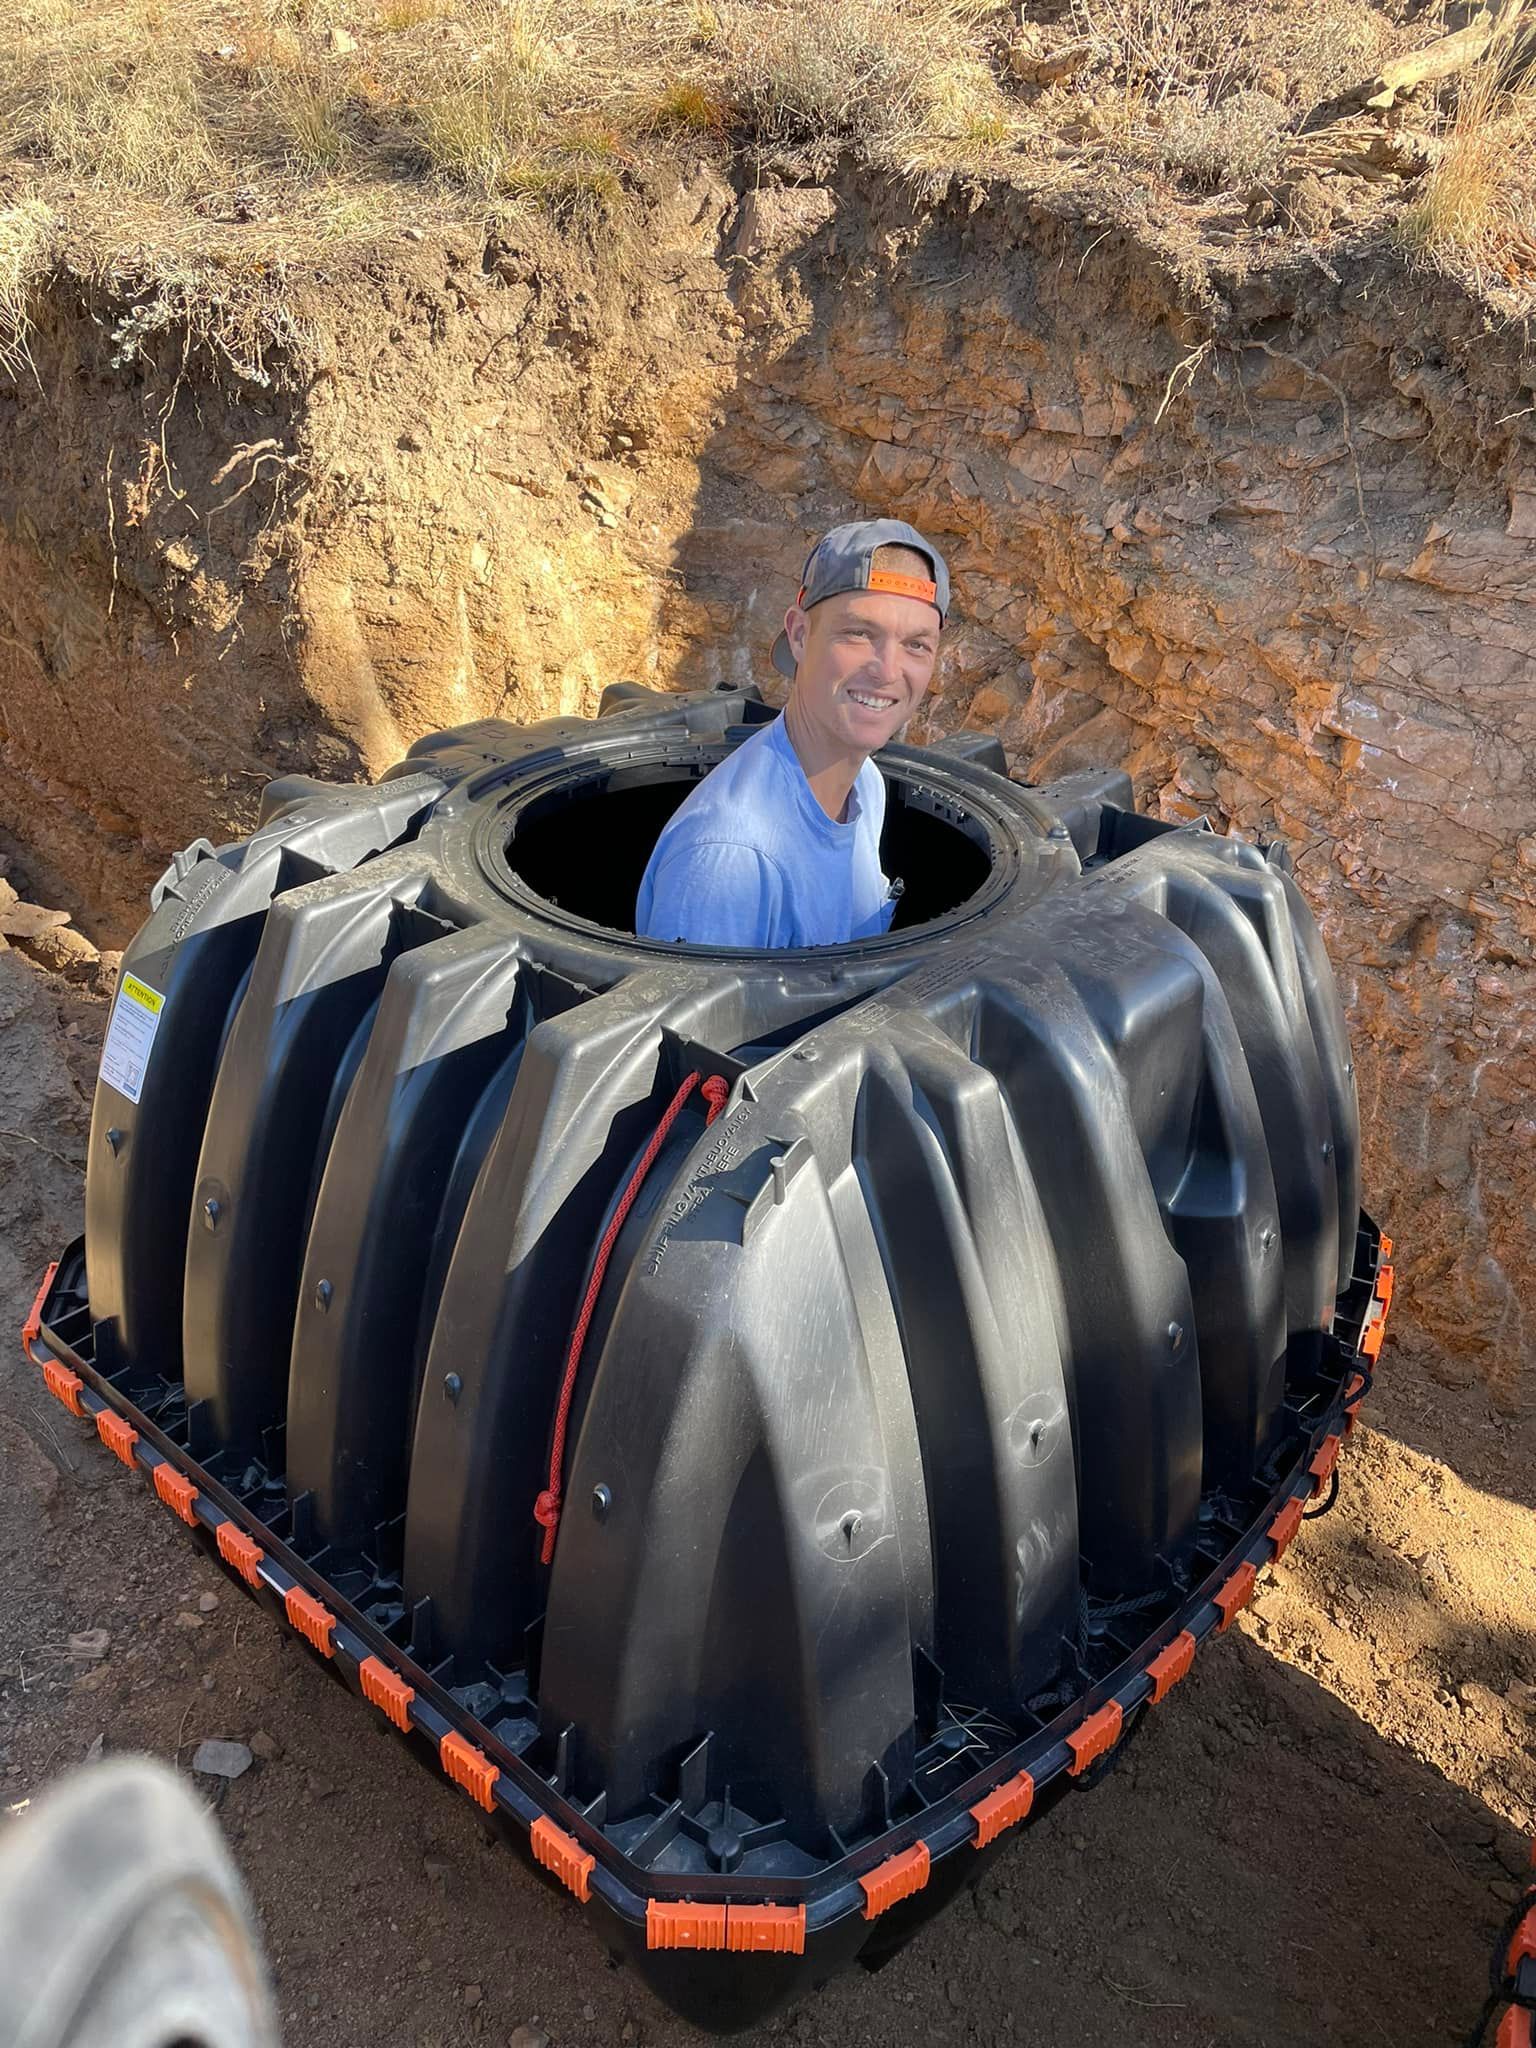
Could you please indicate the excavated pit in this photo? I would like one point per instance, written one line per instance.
(1261, 536)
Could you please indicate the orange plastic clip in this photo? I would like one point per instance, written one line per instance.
(243, 1552)
(388, 1691)
(1003, 1808)
(1170, 1665)
(1386, 1280)
(118, 1435)
(177, 1491)
(1235, 1595)
(1322, 1465)
(555, 1849)
(1100, 1732)
(1282, 1530)
(897, 1878)
(314, 1622)
(1371, 1339)
(1386, 1247)
(471, 1768)
(766, 1930)
(63, 1384)
(681, 1924)
(1517, 2029)
(32, 1328)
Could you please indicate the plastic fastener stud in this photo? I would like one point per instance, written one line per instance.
(1282, 1530)
(314, 1622)
(1321, 1467)
(63, 1384)
(178, 1492)
(388, 1691)
(243, 1553)
(897, 1878)
(766, 1930)
(470, 1768)
(557, 1851)
(32, 1328)
(1170, 1665)
(118, 1435)
(1003, 1808)
(1099, 1733)
(681, 1924)
(1235, 1595)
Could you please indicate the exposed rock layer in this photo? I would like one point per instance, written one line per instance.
(1266, 542)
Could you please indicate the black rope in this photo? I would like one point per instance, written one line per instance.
(1314, 1514)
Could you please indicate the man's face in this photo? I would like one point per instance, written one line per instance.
(864, 660)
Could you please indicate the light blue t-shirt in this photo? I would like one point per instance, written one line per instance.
(751, 858)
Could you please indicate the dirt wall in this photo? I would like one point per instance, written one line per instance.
(1264, 539)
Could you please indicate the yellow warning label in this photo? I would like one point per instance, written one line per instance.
(137, 992)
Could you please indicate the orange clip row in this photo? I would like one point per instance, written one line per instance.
(118, 1435)
(63, 1384)
(552, 1846)
(32, 1328)
(897, 1878)
(314, 1622)
(1322, 1465)
(1170, 1665)
(1003, 1808)
(177, 1491)
(243, 1553)
(760, 1930)
(1100, 1732)
(388, 1691)
(1235, 1595)
(1282, 1530)
(1386, 1281)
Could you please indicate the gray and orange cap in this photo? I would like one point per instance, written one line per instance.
(844, 559)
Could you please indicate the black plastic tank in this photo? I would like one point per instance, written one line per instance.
(739, 1412)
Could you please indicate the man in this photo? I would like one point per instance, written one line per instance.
(780, 845)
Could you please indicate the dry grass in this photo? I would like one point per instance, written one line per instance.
(283, 126)
(1475, 213)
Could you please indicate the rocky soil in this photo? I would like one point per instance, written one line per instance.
(1311, 1844)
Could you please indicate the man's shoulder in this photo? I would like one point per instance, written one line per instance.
(738, 803)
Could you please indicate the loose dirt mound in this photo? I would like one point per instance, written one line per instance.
(1312, 1841)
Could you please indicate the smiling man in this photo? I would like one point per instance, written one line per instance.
(780, 845)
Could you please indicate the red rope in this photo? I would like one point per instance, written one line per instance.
(546, 1509)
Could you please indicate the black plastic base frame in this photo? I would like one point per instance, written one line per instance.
(722, 1950)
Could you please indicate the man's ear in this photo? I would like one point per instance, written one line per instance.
(796, 625)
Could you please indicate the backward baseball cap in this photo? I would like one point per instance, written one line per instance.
(844, 559)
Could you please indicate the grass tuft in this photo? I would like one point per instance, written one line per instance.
(25, 238)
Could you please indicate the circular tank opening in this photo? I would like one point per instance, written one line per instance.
(583, 846)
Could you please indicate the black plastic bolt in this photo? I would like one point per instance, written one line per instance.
(211, 1213)
(850, 1525)
(602, 1501)
(1266, 1237)
(114, 1139)
(1327, 1148)
(453, 1386)
(323, 1296)
(1175, 1336)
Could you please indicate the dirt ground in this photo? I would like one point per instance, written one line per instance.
(1312, 1843)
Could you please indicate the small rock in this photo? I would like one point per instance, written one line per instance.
(528, 2037)
(438, 1868)
(413, 440)
(472, 1994)
(61, 950)
(108, 967)
(185, 1620)
(26, 920)
(208, 1681)
(207, 1603)
(342, 44)
(89, 1646)
(589, 2012)
(98, 1744)
(629, 2032)
(218, 1759)
(266, 1746)
(319, 1788)
(414, 234)
(181, 557)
